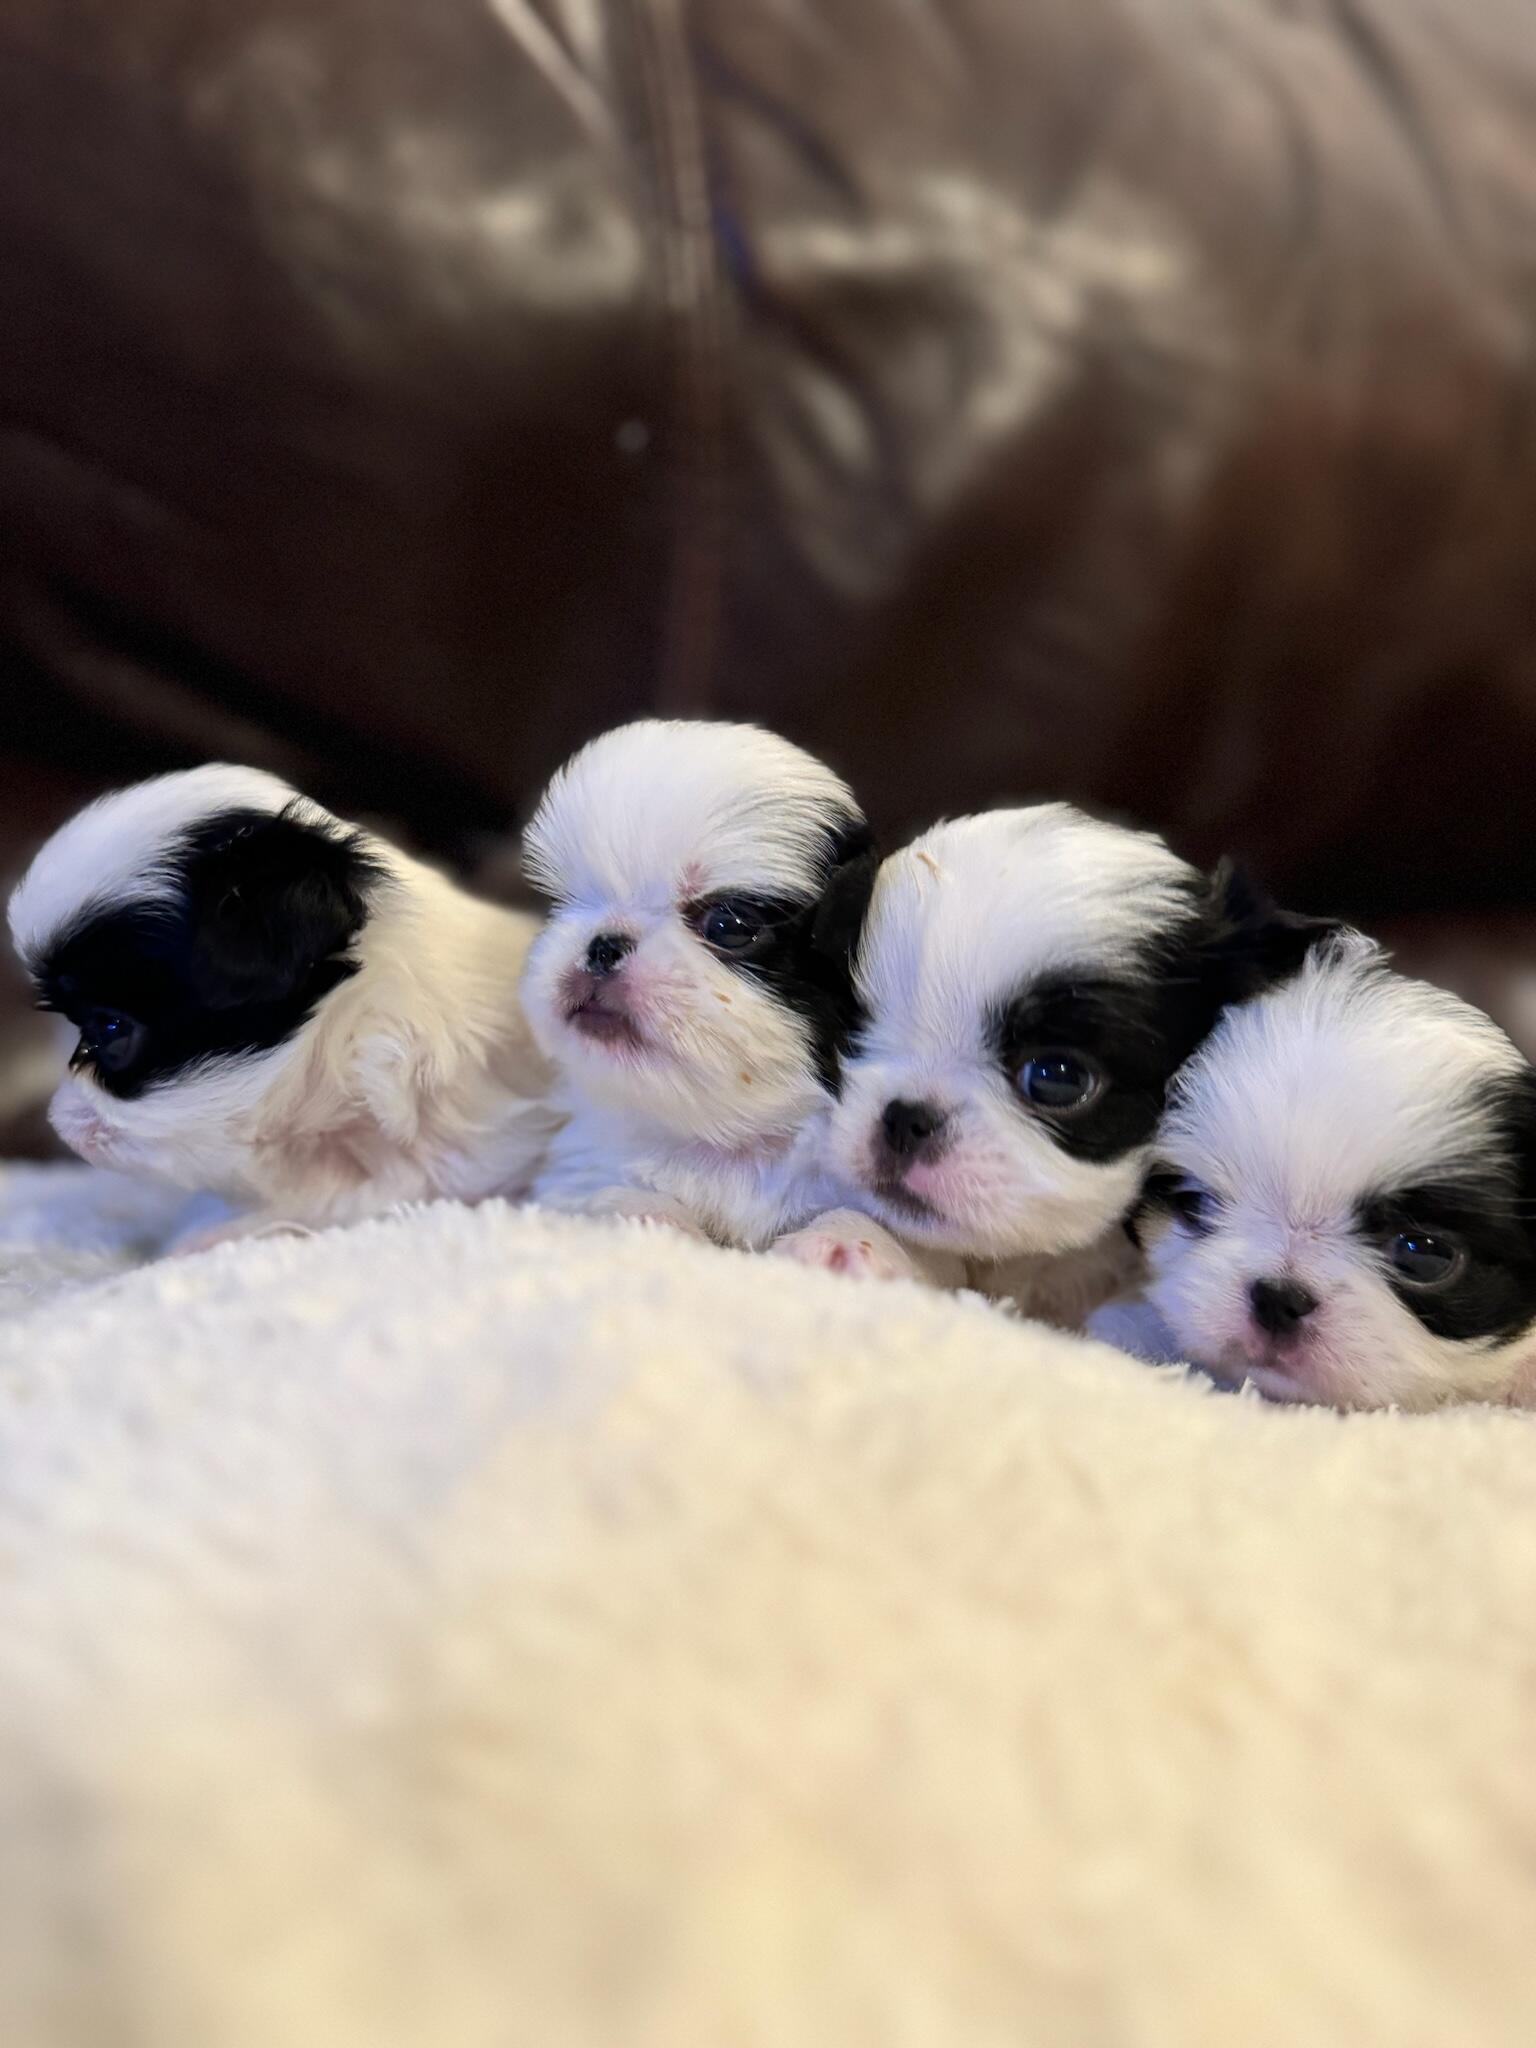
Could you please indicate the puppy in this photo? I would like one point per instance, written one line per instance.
(1031, 981)
(693, 984)
(278, 1008)
(1344, 1205)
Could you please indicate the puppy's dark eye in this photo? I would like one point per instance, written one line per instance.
(1058, 1082)
(1423, 1260)
(731, 927)
(112, 1040)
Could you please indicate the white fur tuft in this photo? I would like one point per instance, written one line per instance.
(965, 913)
(1347, 1077)
(667, 806)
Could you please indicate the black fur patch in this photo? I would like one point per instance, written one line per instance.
(1135, 1031)
(1491, 1213)
(1155, 1199)
(258, 932)
(804, 954)
(1249, 943)
(1138, 1027)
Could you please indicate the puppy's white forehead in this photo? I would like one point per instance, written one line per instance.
(116, 850)
(665, 809)
(978, 906)
(1347, 1080)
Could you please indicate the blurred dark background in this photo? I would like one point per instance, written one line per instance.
(1133, 401)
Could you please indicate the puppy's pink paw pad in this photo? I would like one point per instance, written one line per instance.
(861, 1258)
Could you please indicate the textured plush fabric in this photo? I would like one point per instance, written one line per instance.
(480, 1630)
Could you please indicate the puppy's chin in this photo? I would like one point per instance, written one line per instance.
(193, 1133)
(1319, 1371)
(82, 1118)
(701, 1091)
(983, 1217)
(1302, 1371)
(609, 1057)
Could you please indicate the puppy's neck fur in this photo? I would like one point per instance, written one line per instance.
(418, 1077)
(744, 1195)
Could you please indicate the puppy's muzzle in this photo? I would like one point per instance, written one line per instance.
(595, 1000)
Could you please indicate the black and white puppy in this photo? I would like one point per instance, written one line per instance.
(693, 983)
(1343, 1209)
(278, 1008)
(1031, 979)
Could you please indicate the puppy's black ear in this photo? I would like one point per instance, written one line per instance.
(273, 900)
(839, 915)
(1252, 942)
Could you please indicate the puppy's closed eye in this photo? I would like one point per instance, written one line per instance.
(1181, 1196)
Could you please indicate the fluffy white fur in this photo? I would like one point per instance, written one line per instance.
(959, 919)
(1348, 1080)
(716, 1108)
(416, 1077)
(483, 1628)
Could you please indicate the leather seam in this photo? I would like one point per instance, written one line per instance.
(696, 316)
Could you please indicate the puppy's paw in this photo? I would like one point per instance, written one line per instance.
(842, 1241)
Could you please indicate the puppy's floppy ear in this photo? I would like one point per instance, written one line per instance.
(838, 917)
(271, 900)
(1251, 942)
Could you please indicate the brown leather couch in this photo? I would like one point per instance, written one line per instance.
(1132, 400)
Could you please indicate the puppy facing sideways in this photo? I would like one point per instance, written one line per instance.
(1344, 1205)
(278, 1008)
(1031, 980)
(693, 982)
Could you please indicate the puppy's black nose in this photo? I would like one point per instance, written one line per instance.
(607, 950)
(1280, 1305)
(910, 1127)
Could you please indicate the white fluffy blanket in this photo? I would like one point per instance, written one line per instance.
(478, 1630)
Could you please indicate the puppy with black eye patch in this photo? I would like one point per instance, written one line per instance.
(693, 983)
(1343, 1208)
(273, 1006)
(1031, 980)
